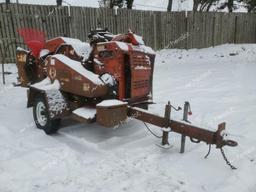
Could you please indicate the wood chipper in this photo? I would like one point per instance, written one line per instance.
(106, 81)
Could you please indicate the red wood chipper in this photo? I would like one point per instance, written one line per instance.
(106, 81)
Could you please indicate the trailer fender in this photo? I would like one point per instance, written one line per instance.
(56, 104)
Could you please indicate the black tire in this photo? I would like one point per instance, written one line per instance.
(41, 117)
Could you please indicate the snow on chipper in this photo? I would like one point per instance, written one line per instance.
(106, 81)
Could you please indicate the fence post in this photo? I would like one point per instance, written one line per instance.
(154, 27)
(213, 31)
(186, 29)
(235, 33)
(3, 77)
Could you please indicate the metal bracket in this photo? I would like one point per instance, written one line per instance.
(186, 111)
(167, 119)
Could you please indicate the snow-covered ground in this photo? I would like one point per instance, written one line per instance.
(90, 158)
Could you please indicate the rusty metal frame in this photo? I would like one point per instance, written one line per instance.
(195, 133)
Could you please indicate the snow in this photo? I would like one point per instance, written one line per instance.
(110, 103)
(148, 49)
(141, 68)
(85, 112)
(145, 49)
(77, 66)
(139, 39)
(110, 35)
(44, 52)
(21, 49)
(56, 101)
(71, 41)
(95, 159)
(123, 46)
(239, 6)
(108, 79)
(98, 62)
(46, 84)
(81, 48)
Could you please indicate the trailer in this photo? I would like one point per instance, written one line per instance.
(105, 81)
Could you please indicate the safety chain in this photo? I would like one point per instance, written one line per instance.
(209, 151)
(151, 131)
(225, 158)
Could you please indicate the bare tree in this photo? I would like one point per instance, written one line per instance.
(203, 5)
(251, 6)
(112, 3)
(119, 3)
(104, 3)
(229, 4)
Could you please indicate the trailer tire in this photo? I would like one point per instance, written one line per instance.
(42, 119)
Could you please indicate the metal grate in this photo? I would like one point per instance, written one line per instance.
(140, 60)
(140, 84)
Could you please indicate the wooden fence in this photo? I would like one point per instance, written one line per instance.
(159, 29)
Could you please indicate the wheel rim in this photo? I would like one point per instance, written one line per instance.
(40, 113)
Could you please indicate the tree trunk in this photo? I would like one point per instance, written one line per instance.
(230, 5)
(59, 2)
(205, 6)
(129, 4)
(169, 7)
(195, 5)
(251, 6)
(111, 4)
(208, 7)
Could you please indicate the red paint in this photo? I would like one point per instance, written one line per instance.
(34, 39)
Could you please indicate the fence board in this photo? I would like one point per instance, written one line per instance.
(159, 29)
